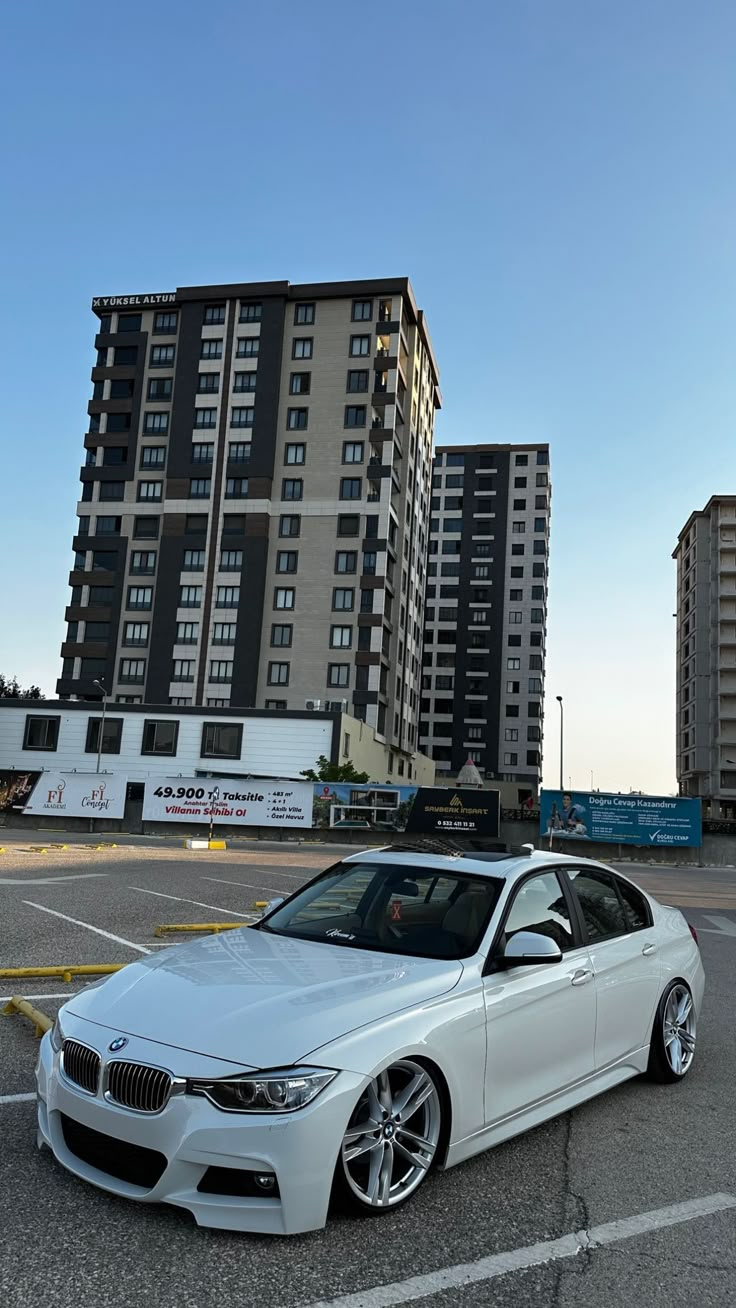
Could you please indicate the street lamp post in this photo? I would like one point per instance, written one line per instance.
(101, 688)
(562, 744)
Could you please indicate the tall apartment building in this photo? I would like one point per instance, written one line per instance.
(255, 499)
(706, 656)
(486, 614)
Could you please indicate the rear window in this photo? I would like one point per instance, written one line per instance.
(392, 909)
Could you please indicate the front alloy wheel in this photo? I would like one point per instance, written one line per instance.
(392, 1138)
(673, 1039)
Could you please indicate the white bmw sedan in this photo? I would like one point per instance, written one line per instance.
(401, 1011)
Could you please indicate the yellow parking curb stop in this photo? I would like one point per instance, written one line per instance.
(212, 927)
(67, 971)
(41, 1021)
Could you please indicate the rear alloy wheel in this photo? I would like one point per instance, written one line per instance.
(392, 1138)
(673, 1039)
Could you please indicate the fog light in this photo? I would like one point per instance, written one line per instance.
(265, 1180)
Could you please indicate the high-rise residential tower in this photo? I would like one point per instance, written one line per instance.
(255, 501)
(486, 614)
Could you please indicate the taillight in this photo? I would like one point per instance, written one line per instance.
(694, 934)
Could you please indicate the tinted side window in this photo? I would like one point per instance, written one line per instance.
(635, 905)
(539, 905)
(601, 907)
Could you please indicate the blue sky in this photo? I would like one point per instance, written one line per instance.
(557, 178)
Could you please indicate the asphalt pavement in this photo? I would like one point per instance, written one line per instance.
(666, 1152)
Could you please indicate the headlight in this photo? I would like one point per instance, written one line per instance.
(278, 1091)
(56, 1036)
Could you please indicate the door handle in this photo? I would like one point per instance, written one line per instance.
(651, 948)
(581, 977)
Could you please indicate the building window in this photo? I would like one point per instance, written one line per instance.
(160, 736)
(101, 595)
(41, 733)
(187, 633)
(239, 451)
(132, 671)
(357, 380)
(153, 456)
(279, 704)
(221, 740)
(203, 452)
(247, 347)
(360, 346)
(233, 524)
(111, 491)
(183, 701)
(295, 453)
(165, 324)
(162, 356)
(283, 597)
(287, 560)
(200, 488)
(341, 637)
(211, 350)
(244, 381)
(231, 560)
(221, 670)
(205, 418)
(296, 419)
(150, 490)
(224, 633)
(236, 488)
(278, 674)
(338, 674)
(112, 735)
(303, 315)
(129, 322)
(350, 488)
(343, 599)
(208, 383)
(292, 488)
(537, 615)
(183, 670)
(355, 415)
(190, 597)
(143, 562)
(299, 383)
(511, 733)
(512, 710)
(348, 524)
(140, 597)
(145, 528)
(135, 633)
(250, 311)
(302, 347)
(227, 597)
(539, 547)
(159, 388)
(510, 760)
(240, 417)
(289, 524)
(541, 479)
(346, 561)
(512, 687)
(281, 633)
(513, 664)
(362, 310)
(193, 561)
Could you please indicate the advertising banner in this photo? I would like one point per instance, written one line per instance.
(461, 812)
(79, 794)
(621, 819)
(238, 803)
(15, 788)
(362, 807)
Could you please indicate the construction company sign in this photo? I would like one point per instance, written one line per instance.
(78, 794)
(238, 803)
(134, 301)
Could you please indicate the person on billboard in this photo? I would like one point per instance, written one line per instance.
(568, 819)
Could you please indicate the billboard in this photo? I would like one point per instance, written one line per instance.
(15, 788)
(460, 812)
(362, 807)
(235, 801)
(78, 794)
(621, 819)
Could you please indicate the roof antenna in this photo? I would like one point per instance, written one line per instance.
(527, 849)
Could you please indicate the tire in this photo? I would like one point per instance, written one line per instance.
(672, 1051)
(392, 1140)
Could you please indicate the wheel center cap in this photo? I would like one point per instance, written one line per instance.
(388, 1130)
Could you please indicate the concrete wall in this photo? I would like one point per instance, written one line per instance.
(358, 745)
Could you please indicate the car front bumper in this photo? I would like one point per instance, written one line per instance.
(300, 1149)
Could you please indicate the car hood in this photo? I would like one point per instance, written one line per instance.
(258, 999)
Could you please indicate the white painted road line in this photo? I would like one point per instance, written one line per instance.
(249, 885)
(49, 881)
(61, 994)
(120, 940)
(723, 925)
(519, 1260)
(215, 907)
(17, 1099)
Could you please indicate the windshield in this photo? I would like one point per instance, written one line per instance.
(394, 909)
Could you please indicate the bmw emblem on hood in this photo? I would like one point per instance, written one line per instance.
(119, 1043)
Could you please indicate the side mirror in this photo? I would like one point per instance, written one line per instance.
(528, 947)
(272, 904)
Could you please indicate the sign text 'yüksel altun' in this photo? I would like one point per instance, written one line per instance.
(244, 803)
(620, 819)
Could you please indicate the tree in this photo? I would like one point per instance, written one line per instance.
(326, 771)
(10, 688)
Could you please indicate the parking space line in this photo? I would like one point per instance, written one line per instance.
(17, 1099)
(520, 1260)
(723, 925)
(60, 994)
(249, 885)
(49, 881)
(197, 902)
(120, 940)
(291, 875)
